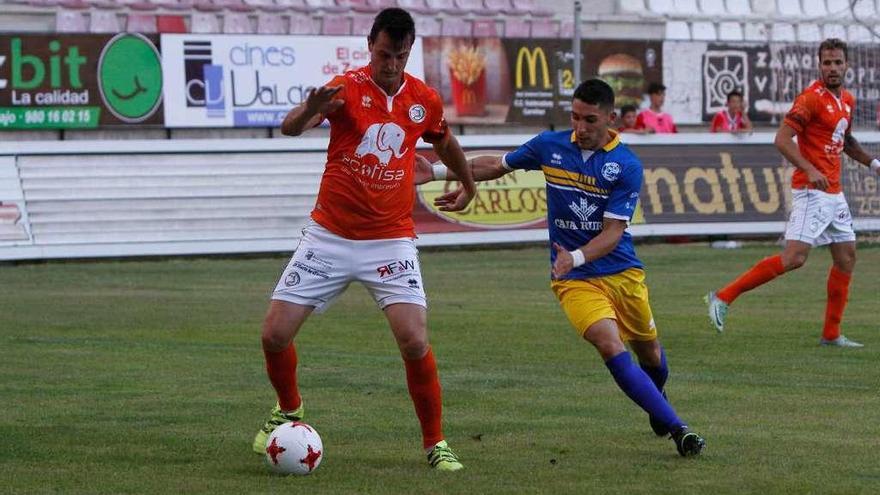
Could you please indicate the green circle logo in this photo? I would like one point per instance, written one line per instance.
(130, 77)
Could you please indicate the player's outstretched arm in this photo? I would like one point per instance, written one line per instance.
(785, 144)
(599, 246)
(483, 167)
(453, 158)
(318, 103)
(854, 150)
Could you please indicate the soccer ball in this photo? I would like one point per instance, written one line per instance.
(294, 448)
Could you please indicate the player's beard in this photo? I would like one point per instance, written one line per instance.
(833, 84)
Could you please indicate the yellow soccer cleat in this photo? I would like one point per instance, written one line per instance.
(442, 458)
(278, 418)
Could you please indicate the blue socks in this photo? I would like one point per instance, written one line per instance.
(658, 375)
(636, 384)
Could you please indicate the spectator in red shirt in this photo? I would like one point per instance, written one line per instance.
(628, 117)
(733, 118)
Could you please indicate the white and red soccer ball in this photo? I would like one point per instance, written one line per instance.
(294, 448)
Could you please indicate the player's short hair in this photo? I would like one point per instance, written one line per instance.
(655, 87)
(733, 93)
(627, 109)
(397, 24)
(595, 92)
(833, 44)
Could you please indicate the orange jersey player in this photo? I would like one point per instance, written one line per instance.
(367, 188)
(361, 227)
(821, 118)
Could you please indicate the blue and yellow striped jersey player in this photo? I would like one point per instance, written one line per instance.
(593, 183)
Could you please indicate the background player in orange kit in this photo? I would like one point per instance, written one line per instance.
(821, 118)
(361, 227)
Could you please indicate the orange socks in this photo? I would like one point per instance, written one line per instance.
(838, 290)
(424, 389)
(281, 367)
(763, 272)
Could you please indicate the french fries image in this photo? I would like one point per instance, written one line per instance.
(466, 63)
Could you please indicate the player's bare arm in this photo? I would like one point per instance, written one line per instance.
(483, 167)
(854, 150)
(453, 158)
(319, 103)
(599, 246)
(785, 144)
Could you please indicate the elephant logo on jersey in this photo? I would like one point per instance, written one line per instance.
(382, 141)
(836, 145)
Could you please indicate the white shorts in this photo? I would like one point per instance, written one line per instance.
(819, 218)
(324, 264)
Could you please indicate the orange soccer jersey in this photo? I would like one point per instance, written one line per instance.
(821, 121)
(367, 188)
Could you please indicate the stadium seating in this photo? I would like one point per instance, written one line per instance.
(417, 7)
(703, 31)
(712, 7)
(427, 26)
(171, 24)
(632, 6)
(265, 5)
(839, 9)
(815, 9)
(445, 6)
(304, 24)
(205, 22)
(104, 21)
(475, 7)
(790, 8)
(237, 23)
(336, 25)
(141, 23)
(661, 7)
(782, 31)
(361, 24)
(326, 6)
(683, 7)
(858, 34)
(517, 28)
(765, 9)
(455, 26)
(271, 24)
(730, 31)
(809, 32)
(485, 28)
(754, 31)
(739, 8)
(71, 21)
(545, 29)
(678, 30)
(705, 20)
(834, 31)
(295, 5)
(533, 8)
(865, 9)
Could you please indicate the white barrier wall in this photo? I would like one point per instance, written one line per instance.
(133, 198)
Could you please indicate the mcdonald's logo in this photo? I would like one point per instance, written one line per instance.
(468, 96)
(531, 56)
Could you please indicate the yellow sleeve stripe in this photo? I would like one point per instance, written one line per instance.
(578, 185)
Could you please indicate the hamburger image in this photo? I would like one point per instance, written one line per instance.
(624, 74)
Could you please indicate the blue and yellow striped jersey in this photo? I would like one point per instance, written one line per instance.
(583, 187)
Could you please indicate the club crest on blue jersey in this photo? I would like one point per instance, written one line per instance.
(610, 171)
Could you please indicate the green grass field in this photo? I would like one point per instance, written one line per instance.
(147, 377)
